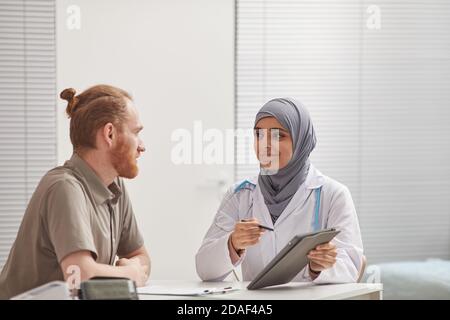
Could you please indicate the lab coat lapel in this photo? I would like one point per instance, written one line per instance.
(261, 213)
(267, 245)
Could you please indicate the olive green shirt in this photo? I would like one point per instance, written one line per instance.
(70, 210)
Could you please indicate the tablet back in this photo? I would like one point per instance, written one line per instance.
(291, 260)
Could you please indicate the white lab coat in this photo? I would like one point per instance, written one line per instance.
(245, 200)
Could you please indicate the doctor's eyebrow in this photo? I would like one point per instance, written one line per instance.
(281, 129)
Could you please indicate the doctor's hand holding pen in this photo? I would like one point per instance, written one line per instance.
(246, 233)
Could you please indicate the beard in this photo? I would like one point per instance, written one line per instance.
(124, 160)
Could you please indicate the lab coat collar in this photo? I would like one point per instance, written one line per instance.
(314, 179)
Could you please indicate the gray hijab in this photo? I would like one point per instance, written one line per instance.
(278, 189)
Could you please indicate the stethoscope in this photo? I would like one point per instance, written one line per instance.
(316, 218)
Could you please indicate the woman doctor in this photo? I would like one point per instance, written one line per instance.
(289, 195)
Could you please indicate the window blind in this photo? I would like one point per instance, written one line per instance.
(379, 101)
(27, 107)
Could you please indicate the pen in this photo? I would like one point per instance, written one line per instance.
(219, 291)
(259, 225)
(264, 227)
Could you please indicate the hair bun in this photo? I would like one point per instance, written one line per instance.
(69, 95)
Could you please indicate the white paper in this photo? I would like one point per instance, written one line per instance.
(160, 290)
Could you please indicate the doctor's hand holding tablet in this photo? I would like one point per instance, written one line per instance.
(321, 258)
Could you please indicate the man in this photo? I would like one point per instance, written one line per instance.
(80, 216)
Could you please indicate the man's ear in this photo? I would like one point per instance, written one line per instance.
(109, 134)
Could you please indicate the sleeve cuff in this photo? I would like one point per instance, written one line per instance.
(236, 258)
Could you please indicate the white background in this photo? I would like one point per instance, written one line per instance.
(176, 58)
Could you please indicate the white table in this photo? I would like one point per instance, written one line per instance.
(291, 291)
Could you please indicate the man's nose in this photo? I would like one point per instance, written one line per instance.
(141, 147)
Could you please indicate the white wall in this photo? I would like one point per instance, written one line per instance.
(176, 58)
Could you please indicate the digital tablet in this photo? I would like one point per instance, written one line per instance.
(291, 260)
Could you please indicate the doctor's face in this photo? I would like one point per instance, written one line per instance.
(273, 144)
